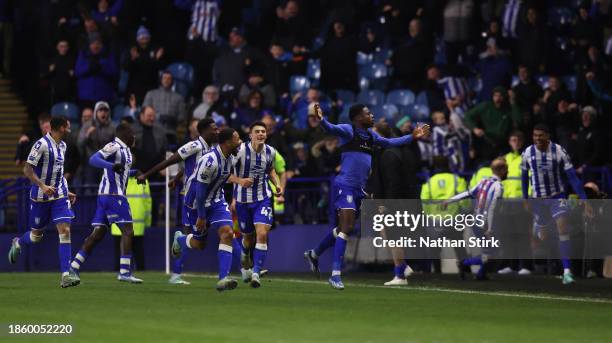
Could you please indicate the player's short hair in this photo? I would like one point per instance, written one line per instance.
(355, 110)
(123, 130)
(498, 163)
(203, 124)
(541, 127)
(226, 135)
(257, 123)
(44, 117)
(58, 122)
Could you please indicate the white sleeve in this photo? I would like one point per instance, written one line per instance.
(189, 149)
(564, 159)
(37, 151)
(109, 149)
(207, 169)
(524, 162)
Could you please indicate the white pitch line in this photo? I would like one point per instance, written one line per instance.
(439, 289)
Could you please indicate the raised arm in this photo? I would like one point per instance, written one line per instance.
(175, 158)
(422, 131)
(343, 131)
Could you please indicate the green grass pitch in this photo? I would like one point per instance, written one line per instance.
(298, 308)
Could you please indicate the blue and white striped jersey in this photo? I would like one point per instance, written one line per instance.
(191, 154)
(486, 193)
(454, 87)
(250, 163)
(213, 169)
(204, 17)
(114, 183)
(546, 167)
(510, 18)
(47, 158)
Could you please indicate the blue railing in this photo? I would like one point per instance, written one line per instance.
(307, 200)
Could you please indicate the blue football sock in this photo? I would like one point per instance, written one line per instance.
(225, 260)
(25, 239)
(125, 265)
(259, 257)
(399, 270)
(565, 250)
(65, 252)
(78, 260)
(182, 241)
(326, 243)
(476, 260)
(339, 249)
(177, 264)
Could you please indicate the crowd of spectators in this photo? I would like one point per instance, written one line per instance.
(481, 68)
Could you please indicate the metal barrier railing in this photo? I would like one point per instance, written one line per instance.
(306, 199)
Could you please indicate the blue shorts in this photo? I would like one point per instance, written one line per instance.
(188, 214)
(545, 210)
(347, 197)
(259, 212)
(112, 209)
(54, 211)
(218, 215)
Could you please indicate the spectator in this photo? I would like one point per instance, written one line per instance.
(432, 90)
(527, 92)
(532, 44)
(411, 58)
(311, 134)
(564, 123)
(143, 65)
(556, 91)
(93, 136)
(457, 28)
(491, 122)
(26, 140)
(275, 136)
(590, 143)
(256, 81)
(210, 104)
(338, 65)
(96, 72)
(249, 112)
(202, 39)
(281, 66)
(494, 69)
(104, 13)
(151, 141)
(370, 40)
(299, 107)
(326, 155)
(493, 31)
(447, 142)
(61, 73)
(229, 67)
(291, 28)
(169, 105)
(585, 30)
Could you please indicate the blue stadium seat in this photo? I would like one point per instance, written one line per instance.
(120, 111)
(382, 55)
(363, 58)
(373, 71)
(560, 17)
(542, 80)
(298, 83)
(344, 115)
(571, 82)
(371, 97)
(182, 71)
(419, 113)
(475, 84)
(345, 95)
(124, 77)
(364, 83)
(313, 69)
(401, 97)
(391, 113)
(515, 80)
(421, 99)
(182, 88)
(67, 109)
